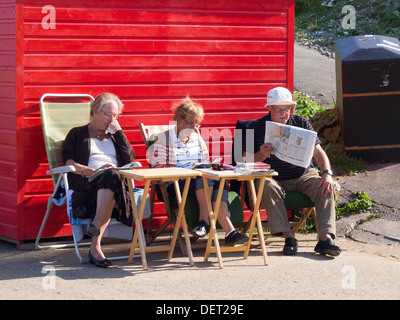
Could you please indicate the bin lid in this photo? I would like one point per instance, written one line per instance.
(368, 48)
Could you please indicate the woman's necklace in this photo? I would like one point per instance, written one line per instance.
(100, 136)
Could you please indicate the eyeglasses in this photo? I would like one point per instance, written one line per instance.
(109, 115)
(279, 110)
(191, 124)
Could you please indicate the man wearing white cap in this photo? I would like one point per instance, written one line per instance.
(293, 178)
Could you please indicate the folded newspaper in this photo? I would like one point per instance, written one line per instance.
(206, 164)
(291, 144)
(130, 165)
(254, 167)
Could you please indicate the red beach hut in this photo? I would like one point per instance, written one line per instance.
(224, 54)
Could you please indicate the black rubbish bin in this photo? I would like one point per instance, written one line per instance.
(368, 96)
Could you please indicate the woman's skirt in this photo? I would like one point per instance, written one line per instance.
(84, 203)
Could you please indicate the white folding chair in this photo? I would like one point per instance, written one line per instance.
(57, 119)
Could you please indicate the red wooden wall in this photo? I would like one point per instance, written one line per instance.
(9, 135)
(224, 54)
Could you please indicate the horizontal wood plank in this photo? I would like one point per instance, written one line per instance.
(176, 91)
(184, 5)
(149, 76)
(108, 16)
(155, 31)
(129, 46)
(160, 60)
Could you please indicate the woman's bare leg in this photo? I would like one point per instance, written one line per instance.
(223, 215)
(105, 206)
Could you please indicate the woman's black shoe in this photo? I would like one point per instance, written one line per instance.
(290, 247)
(93, 231)
(99, 263)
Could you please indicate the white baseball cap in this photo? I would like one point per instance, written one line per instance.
(279, 96)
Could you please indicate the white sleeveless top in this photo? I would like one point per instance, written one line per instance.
(102, 152)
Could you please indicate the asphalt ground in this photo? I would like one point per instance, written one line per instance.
(362, 271)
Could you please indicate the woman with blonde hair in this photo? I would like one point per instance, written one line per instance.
(182, 146)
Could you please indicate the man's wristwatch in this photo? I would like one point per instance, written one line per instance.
(328, 172)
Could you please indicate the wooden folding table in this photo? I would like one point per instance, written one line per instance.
(223, 176)
(163, 175)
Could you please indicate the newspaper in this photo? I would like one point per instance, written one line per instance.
(291, 144)
(130, 165)
(253, 167)
(206, 164)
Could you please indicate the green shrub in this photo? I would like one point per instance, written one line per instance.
(306, 105)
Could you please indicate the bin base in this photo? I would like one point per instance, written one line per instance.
(392, 154)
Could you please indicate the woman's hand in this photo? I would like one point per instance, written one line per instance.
(114, 126)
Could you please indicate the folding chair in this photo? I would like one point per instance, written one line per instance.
(149, 134)
(292, 200)
(57, 119)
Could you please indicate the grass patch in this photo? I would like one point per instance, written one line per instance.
(361, 203)
(342, 162)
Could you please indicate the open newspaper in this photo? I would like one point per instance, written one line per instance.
(291, 144)
(130, 165)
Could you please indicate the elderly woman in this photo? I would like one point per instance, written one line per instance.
(182, 146)
(97, 145)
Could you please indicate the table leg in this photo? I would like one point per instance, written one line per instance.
(138, 222)
(213, 215)
(181, 217)
(256, 218)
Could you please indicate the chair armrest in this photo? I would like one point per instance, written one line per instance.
(62, 169)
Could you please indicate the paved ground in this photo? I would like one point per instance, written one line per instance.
(380, 182)
(360, 272)
(314, 74)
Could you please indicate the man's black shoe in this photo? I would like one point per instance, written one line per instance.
(235, 238)
(290, 247)
(201, 229)
(327, 248)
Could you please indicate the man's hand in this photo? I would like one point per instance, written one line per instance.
(266, 149)
(326, 185)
